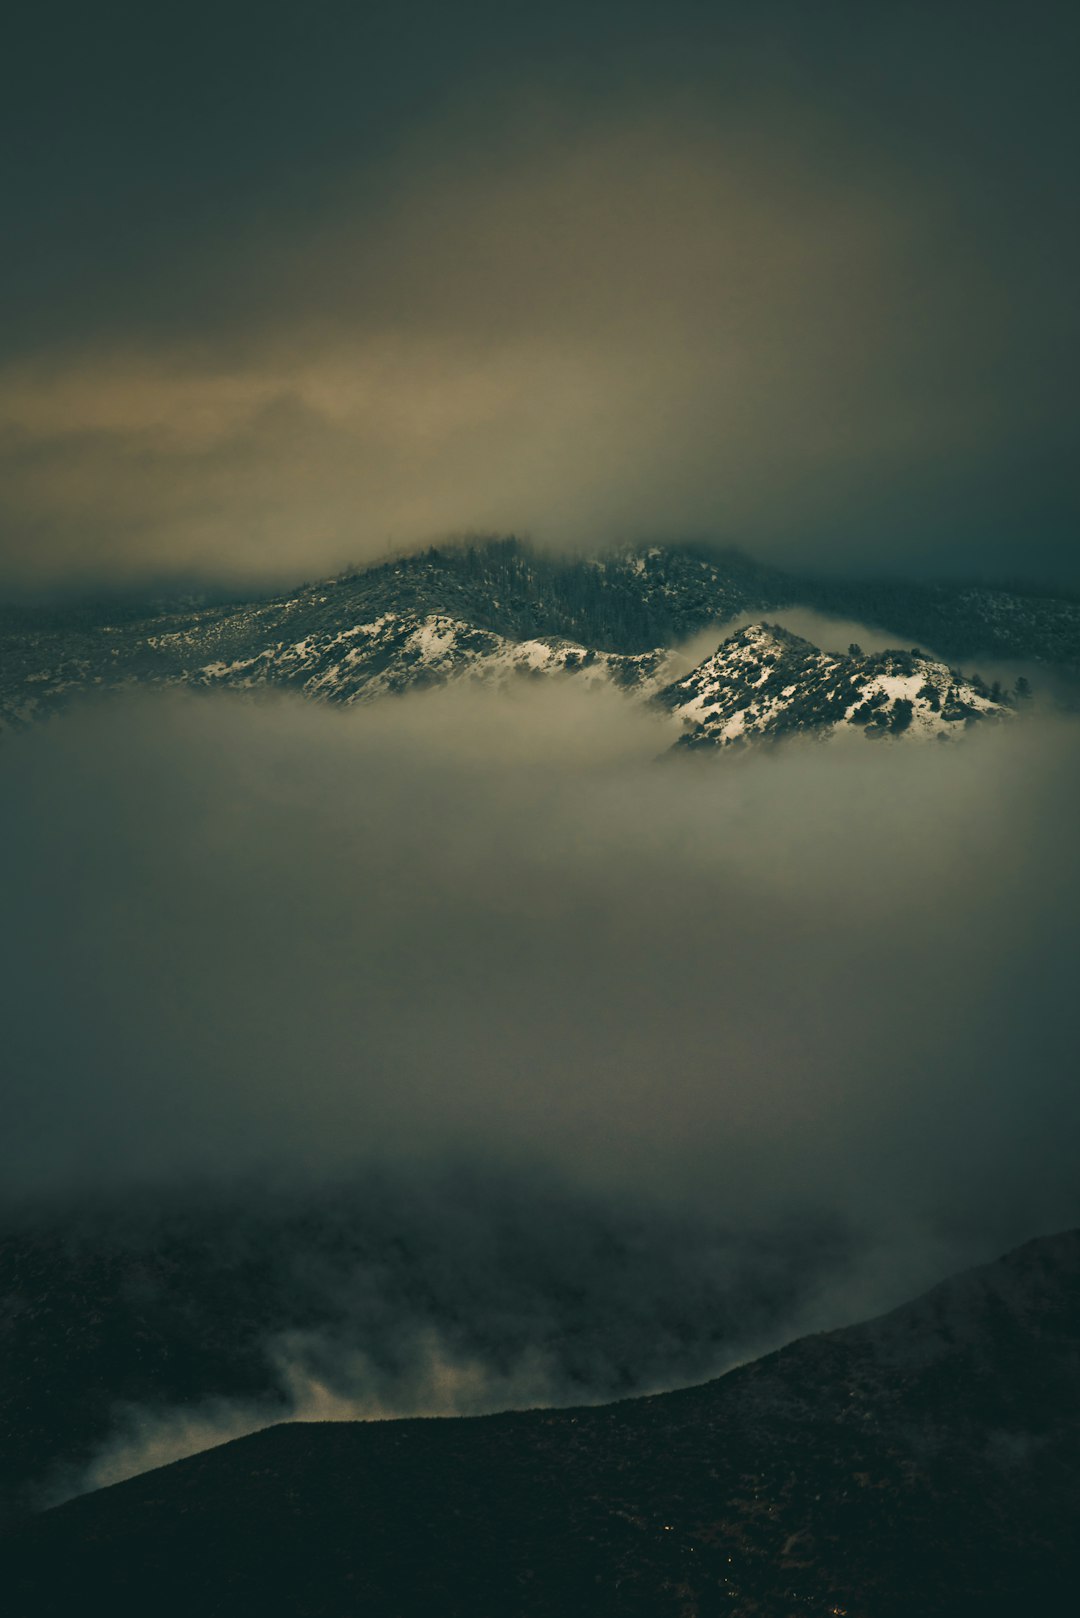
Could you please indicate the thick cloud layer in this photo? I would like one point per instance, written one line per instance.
(456, 1053)
(463, 926)
(798, 281)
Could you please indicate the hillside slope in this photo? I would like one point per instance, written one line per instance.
(927, 1462)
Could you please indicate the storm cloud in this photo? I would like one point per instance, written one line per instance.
(803, 284)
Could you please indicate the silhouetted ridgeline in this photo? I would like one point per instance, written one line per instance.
(925, 1462)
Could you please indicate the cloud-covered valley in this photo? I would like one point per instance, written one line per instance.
(454, 1052)
(466, 925)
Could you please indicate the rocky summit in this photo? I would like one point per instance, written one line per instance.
(765, 683)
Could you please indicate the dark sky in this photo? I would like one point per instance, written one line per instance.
(284, 285)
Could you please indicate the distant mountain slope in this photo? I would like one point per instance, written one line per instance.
(494, 595)
(765, 682)
(400, 652)
(927, 1462)
(375, 625)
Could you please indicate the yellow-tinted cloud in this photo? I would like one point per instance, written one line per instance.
(654, 326)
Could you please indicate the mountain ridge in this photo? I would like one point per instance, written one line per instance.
(488, 612)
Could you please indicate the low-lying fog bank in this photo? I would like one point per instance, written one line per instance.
(819, 1003)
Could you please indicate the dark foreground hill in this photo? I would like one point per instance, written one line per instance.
(924, 1463)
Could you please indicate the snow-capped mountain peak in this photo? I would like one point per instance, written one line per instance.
(765, 682)
(500, 611)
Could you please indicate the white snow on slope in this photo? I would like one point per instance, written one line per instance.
(764, 682)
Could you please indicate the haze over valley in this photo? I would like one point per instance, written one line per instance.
(539, 762)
